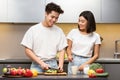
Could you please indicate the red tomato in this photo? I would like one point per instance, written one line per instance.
(99, 70)
(92, 76)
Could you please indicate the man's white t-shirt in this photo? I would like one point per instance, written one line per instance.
(45, 42)
(82, 45)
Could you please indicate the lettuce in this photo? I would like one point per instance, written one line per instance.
(95, 66)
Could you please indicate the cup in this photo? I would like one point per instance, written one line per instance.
(86, 69)
(74, 70)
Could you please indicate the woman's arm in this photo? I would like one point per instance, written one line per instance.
(93, 58)
(69, 53)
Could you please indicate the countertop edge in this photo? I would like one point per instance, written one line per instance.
(28, 61)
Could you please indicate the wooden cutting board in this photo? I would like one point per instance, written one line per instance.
(41, 73)
(55, 74)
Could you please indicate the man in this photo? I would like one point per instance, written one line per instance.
(42, 41)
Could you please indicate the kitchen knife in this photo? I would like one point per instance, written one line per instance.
(53, 68)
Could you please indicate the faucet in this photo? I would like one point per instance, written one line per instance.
(116, 53)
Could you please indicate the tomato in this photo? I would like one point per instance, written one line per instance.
(99, 70)
(92, 76)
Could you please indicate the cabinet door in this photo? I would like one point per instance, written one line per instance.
(113, 70)
(72, 9)
(3, 10)
(26, 11)
(111, 11)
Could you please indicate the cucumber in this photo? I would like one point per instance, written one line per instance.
(105, 74)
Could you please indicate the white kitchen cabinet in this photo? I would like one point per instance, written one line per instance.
(72, 9)
(110, 11)
(26, 11)
(3, 10)
(32, 11)
(22, 11)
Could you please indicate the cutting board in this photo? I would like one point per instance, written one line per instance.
(55, 74)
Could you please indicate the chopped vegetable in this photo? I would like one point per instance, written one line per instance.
(51, 71)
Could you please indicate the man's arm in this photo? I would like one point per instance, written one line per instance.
(61, 59)
(32, 56)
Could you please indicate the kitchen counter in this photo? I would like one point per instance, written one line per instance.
(108, 60)
(100, 60)
(68, 77)
(110, 65)
(13, 61)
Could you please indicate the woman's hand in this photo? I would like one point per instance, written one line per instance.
(70, 58)
(81, 67)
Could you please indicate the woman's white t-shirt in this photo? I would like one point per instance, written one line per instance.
(45, 42)
(82, 45)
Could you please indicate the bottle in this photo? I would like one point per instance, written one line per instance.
(86, 69)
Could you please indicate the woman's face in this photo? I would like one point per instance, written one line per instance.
(82, 22)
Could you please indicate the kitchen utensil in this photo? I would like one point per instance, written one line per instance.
(53, 68)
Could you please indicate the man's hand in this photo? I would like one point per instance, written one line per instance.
(60, 68)
(44, 66)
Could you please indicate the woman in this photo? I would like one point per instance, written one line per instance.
(82, 42)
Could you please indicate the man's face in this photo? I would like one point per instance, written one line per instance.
(51, 18)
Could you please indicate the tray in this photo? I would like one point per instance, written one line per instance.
(11, 76)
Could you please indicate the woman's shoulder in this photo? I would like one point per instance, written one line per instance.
(74, 30)
(94, 33)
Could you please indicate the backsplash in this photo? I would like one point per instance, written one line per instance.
(12, 34)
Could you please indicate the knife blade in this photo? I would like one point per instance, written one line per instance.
(53, 68)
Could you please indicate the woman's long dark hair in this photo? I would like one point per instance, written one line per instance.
(91, 26)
